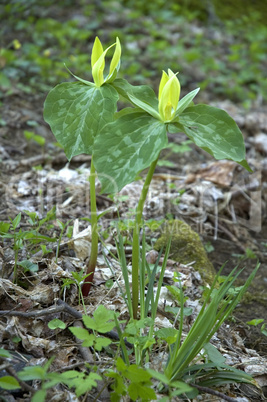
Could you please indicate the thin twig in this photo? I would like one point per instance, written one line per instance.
(59, 308)
(11, 371)
(213, 392)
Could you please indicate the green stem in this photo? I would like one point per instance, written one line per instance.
(94, 245)
(136, 248)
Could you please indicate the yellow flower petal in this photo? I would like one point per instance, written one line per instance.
(163, 81)
(116, 57)
(97, 51)
(169, 94)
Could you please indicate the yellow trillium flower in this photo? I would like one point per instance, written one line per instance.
(98, 62)
(169, 94)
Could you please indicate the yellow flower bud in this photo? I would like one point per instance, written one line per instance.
(169, 94)
(98, 62)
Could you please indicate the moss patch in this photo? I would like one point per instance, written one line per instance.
(186, 247)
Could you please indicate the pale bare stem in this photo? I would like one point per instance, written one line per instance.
(94, 246)
(135, 258)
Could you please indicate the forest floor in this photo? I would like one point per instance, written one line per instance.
(218, 199)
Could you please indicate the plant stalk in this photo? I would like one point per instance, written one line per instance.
(136, 246)
(94, 245)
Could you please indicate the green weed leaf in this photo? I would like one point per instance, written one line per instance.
(167, 334)
(256, 321)
(32, 373)
(16, 221)
(4, 228)
(77, 112)
(214, 355)
(87, 384)
(5, 353)
(39, 396)
(56, 323)
(83, 334)
(214, 131)
(101, 343)
(103, 320)
(139, 390)
(28, 266)
(134, 142)
(8, 382)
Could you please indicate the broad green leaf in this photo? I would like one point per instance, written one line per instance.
(101, 343)
(5, 353)
(133, 142)
(185, 102)
(83, 334)
(39, 396)
(144, 106)
(138, 390)
(8, 382)
(136, 374)
(214, 355)
(167, 334)
(121, 366)
(215, 132)
(256, 321)
(56, 323)
(263, 330)
(28, 266)
(103, 320)
(16, 221)
(87, 384)
(32, 373)
(142, 92)
(77, 112)
(4, 227)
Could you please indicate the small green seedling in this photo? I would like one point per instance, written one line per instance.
(56, 324)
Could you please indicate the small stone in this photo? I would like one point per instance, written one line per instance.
(260, 142)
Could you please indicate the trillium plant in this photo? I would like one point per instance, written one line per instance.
(83, 117)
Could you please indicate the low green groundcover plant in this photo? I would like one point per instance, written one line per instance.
(187, 366)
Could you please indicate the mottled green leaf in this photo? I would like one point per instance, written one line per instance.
(77, 112)
(142, 92)
(145, 106)
(126, 147)
(214, 131)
